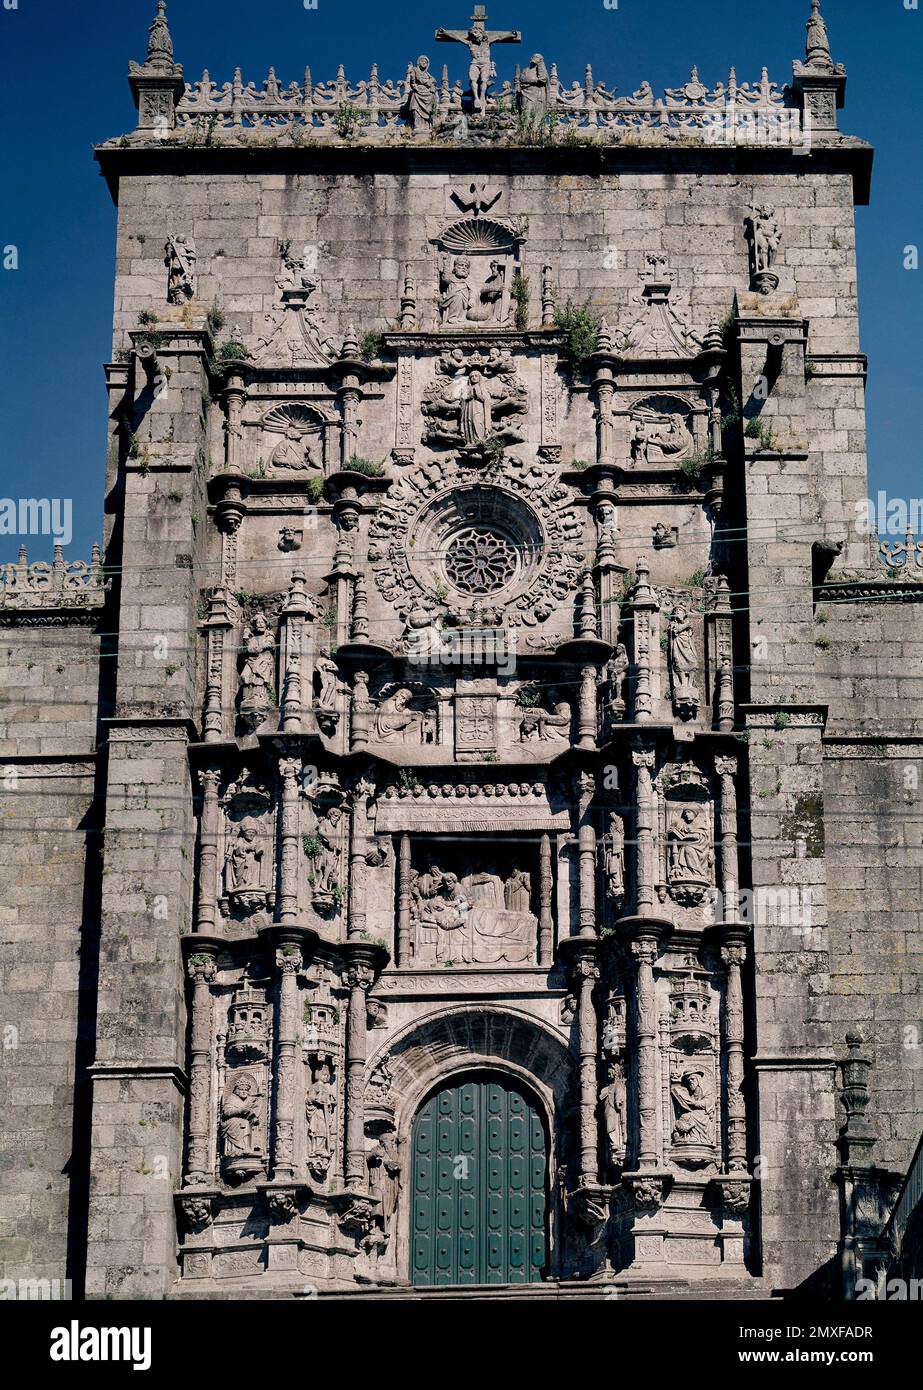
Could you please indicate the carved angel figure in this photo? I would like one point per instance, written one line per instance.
(180, 260)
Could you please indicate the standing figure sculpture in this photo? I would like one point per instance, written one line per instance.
(534, 86)
(478, 39)
(422, 95)
(256, 678)
(614, 1101)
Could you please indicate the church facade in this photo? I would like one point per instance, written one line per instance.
(478, 771)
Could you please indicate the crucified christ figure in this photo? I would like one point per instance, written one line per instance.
(478, 40)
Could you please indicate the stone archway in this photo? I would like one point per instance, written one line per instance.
(520, 1056)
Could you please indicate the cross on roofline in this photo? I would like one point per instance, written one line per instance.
(478, 40)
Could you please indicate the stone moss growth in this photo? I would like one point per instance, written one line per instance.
(806, 821)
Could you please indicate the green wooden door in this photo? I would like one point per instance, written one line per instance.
(478, 1210)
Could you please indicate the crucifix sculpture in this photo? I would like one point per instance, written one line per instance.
(478, 40)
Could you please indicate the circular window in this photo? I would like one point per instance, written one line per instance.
(480, 561)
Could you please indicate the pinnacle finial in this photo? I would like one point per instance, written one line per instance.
(817, 47)
(160, 44)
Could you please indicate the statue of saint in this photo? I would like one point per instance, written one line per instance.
(327, 672)
(534, 86)
(239, 1114)
(695, 1108)
(395, 719)
(293, 453)
(258, 673)
(422, 95)
(690, 849)
(615, 860)
(517, 891)
(681, 652)
(614, 1100)
(454, 299)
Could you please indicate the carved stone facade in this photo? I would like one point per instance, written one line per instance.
(456, 755)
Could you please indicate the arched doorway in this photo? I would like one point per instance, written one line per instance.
(479, 1185)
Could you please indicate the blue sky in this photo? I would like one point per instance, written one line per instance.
(63, 67)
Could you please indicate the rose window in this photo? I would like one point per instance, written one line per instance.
(480, 561)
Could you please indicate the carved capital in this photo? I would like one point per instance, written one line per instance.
(358, 975)
(644, 951)
(647, 1190)
(201, 967)
(210, 780)
(282, 1204)
(726, 765)
(289, 769)
(289, 959)
(643, 756)
(734, 1193)
(734, 955)
(197, 1211)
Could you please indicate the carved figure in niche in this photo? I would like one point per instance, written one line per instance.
(422, 96)
(454, 298)
(614, 1101)
(615, 861)
(397, 719)
(294, 454)
(764, 235)
(694, 1106)
(385, 1177)
(244, 872)
(180, 260)
(463, 403)
(258, 673)
(478, 40)
(682, 659)
(323, 850)
(657, 436)
(614, 676)
(689, 847)
(320, 1109)
(537, 724)
(533, 85)
(441, 911)
(240, 1118)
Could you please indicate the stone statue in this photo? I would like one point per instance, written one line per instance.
(517, 891)
(538, 725)
(534, 86)
(694, 1106)
(244, 870)
(614, 676)
(765, 236)
(385, 1177)
(320, 1109)
(614, 1100)
(240, 1115)
(328, 678)
(180, 260)
(454, 299)
(474, 399)
(293, 453)
(817, 48)
(662, 434)
(478, 40)
(615, 861)
(689, 847)
(422, 96)
(259, 668)
(682, 659)
(325, 877)
(397, 720)
(441, 910)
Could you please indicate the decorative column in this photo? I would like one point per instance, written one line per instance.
(288, 963)
(587, 973)
(644, 950)
(403, 903)
(733, 954)
(643, 605)
(201, 968)
(289, 772)
(207, 915)
(725, 700)
(291, 648)
(604, 387)
(726, 768)
(545, 888)
(643, 757)
(359, 977)
(234, 396)
(586, 718)
(586, 851)
(358, 825)
(360, 712)
(217, 626)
